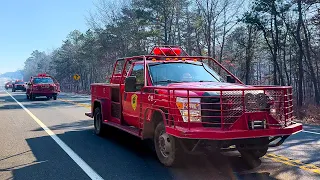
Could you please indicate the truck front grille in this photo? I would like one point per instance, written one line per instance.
(210, 111)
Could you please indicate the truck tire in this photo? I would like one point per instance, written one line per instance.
(167, 147)
(54, 97)
(32, 98)
(99, 127)
(254, 154)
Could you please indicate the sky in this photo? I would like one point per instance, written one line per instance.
(28, 25)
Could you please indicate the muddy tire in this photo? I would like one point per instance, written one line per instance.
(32, 97)
(167, 147)
(253, 153)
(252, 157)
(99, 127)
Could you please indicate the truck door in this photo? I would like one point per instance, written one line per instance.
(132, 100)
(29, 86)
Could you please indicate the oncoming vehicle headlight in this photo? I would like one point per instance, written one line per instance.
(194, 107)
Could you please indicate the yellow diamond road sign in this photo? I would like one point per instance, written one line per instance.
(76, 77)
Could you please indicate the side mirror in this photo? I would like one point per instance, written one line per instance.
(230, 79)
(130, 84)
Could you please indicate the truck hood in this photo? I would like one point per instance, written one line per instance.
(205, 85)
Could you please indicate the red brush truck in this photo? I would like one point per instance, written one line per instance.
(183, 105)
(42, 85)
(18, 85)
(8, 85)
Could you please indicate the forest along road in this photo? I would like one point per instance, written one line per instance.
(46, 139)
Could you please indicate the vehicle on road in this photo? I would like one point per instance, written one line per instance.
(186, 107)
(18, 85)
(8, 85)
(42, 85)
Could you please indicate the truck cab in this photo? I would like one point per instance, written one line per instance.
(42, 85)
(185, 107)
(18, 85)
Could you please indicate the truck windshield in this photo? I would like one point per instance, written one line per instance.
(176, 72)
(42, 80)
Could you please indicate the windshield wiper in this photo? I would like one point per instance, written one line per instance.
(166, 81)
(207, 81)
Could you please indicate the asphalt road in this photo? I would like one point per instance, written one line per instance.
(68, 149)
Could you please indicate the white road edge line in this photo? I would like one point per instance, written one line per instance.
(311, 132)
(77, 159)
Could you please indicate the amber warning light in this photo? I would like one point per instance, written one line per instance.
(167, 51)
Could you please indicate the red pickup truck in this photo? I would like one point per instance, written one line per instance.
(185, 106)
(18, 85)
(42, 85)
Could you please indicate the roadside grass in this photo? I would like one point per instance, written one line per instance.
(308, 114)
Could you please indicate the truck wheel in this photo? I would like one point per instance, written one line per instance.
(55, 97)
(32, 98)
(167, 147)
(253, 153)
(99, 127)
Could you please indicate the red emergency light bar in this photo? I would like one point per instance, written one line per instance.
(167, 51)
(42, 75)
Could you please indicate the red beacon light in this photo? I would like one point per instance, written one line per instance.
(42, 75)
(167, 51)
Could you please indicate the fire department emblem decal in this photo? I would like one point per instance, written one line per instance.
(134, 99)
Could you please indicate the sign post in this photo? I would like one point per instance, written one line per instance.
(76, 77)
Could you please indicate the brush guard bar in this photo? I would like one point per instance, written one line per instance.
(221, 114)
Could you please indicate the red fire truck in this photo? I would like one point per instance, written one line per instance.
(185, 106)
(8, 85)
(18, 85)
(42, 85)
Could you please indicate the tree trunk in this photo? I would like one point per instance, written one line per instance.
(309, 61)
(300, 60)
(248, 56)
(284, 60)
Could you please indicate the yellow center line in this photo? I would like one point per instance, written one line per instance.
(276, 158)
(291, 162)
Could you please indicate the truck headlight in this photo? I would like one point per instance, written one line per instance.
(273, 112)
(194, 107)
